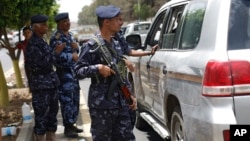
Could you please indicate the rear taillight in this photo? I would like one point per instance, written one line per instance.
(226, 78)
(226, 135)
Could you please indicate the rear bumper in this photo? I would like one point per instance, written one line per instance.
(207, 121)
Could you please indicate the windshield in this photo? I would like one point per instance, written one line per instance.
(239, 25)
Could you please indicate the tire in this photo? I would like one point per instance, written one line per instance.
(177, 126)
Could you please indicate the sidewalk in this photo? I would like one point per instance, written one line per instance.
(83, 122)
(83, 118)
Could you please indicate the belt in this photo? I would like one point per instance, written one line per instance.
(41, 71)
(101, 80)
(63, 70)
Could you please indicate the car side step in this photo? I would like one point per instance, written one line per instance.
(155, 125)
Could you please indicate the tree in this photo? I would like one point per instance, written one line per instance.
(142, 11)
(129, 9)
(88, 17)
(14, 15)
(4, 96)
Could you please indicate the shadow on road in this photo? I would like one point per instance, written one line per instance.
(147, 133)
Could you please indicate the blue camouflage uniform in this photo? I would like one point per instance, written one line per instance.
(110, 115)
(43, 81)
(106, 114)
(69, 89)
(119, 36)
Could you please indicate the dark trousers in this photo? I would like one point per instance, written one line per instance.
(69, 96)
(69, 103)
(111, 124)
(45, 104)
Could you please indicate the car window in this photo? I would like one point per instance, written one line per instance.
(127, 29)
(239, 25)
(144, 26)
(170, 28)
(191, 28)
(153, 37)
(136, 27)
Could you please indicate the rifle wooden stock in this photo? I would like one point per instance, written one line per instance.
(121, 84)
(127, 94)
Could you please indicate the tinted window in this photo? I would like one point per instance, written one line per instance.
(173, 20)
(144, 26)
(154, 35)
(136, 27)
(239, 25)
(190, 35)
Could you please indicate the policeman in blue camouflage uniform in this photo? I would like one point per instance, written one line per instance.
(43, 80)
(110, 114)
(69, 89)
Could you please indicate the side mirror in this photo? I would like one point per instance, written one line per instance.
(134, 41)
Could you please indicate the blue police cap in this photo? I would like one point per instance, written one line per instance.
(39, 18)
(107, 12)
(61, 16)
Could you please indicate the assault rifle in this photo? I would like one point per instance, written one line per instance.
(118, 79)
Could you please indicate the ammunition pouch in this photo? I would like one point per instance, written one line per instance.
(122, 69)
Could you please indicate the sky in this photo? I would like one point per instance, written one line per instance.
(73, 7)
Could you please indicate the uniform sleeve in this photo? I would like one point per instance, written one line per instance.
(86, 66)
(38, 55)
(64, 59)
(125, 48)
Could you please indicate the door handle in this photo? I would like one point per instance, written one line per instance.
(164, 70)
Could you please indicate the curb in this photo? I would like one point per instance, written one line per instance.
(25, 133)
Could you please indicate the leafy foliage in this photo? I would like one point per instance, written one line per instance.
(16, 14)
(130, 11)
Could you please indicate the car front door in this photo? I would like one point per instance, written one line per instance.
(148, 80)
(157, 65)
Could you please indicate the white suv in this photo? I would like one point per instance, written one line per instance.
(140, 28)
(197, 83)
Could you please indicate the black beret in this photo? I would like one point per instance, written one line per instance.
(39, 19)
(107, 12)
(61, 16)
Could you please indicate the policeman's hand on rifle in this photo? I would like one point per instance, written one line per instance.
(129, 65)
(75, 56)
(105, 70)
(133, 106)
(74, 45)
(59, 48)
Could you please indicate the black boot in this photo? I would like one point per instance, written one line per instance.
(69, 131)
(77, 130)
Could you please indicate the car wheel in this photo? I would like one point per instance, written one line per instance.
(177, 131)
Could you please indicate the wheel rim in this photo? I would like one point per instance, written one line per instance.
(178, 132)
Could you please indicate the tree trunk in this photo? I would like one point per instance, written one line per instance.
(19, 80)
(4, 95)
